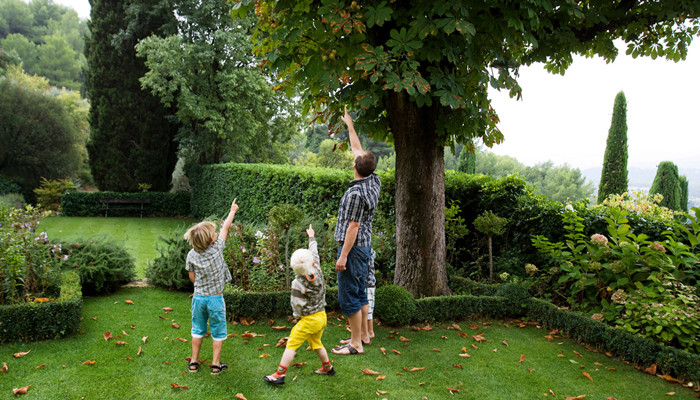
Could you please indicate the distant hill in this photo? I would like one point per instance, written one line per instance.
(640, 179)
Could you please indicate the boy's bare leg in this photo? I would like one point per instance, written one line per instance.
(196, 345)
(370, 328)
(287, 358)
(322, 355)
(216, 357)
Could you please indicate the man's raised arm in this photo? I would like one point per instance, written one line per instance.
(355, 143)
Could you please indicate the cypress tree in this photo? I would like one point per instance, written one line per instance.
(131, 136)
(684, 193)
(613, 178)
(668, 184)
(467, 160)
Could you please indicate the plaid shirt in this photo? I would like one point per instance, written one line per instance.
(210, 270)
(358, 204)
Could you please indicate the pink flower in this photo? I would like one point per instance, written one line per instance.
(599, 240)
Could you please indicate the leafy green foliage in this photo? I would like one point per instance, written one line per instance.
(394, 305)
(613, 178)
(41, 132)
(601, 274)
(282, 218)
(29, 264)
(50, 193)
(103, 265)
(667, 183)
(227, 107)
(12, 200)
(131, 133)
(328, 156)
(168, 269)
(46, 320)
(8, 186)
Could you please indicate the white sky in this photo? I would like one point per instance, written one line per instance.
(566, 119)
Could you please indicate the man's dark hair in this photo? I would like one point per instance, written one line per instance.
(366, 163)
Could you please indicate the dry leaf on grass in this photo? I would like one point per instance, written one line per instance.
(264, 355)
(167, 309)
(438, 350)
(240, 396)
(478, 337)
(181, 339)
(20, 354)
(176, 386)
(280, 328)
(383, 350)
(124, 333)
(381, 377)
(415, 369)
(462, 334)
(368, 371)
(40, 366)
(465, 355)
(89, 362)
(22, 390)
(669, 378)
(298, 364)
(522, 357)
(143, 339)
(175, 325)
(458, 366)
(4, 368)
(577, 354)
(139, 352)
(587, 375)
(107, 335)
(651, 369)
(452, 391)
(506, 343)
(403, 339)
(583, 396)
(128, 302)
(396, 351)
(120, 343)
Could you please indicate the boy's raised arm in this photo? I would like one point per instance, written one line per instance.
(355, 143)
(229, 220)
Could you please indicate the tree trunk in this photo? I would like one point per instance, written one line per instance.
(420, 198)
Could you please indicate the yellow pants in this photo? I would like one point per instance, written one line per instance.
(309, 328)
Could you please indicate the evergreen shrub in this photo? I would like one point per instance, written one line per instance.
(394, 305)
(163, 204)
(44, 320)
(242, 304)
(9, 186)
(103, 265)
(168, 269)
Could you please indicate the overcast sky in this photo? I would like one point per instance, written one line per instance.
(566, 119)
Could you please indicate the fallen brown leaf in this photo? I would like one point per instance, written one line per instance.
(396, 351)
(475, 346)
(443, 337)
(670, 393)
(587, 375)
(176, 386)
(143, 339)
(298, 364)
(438, 350)
(465, 355)
(181, 339)
(463, 334)
(368, 371)
(381, 377)
(495, 350)
(611, 398)
(139, 352)
(88, 362)
(280, 328)
(651, 370)
(522, 357)
(107, 335)
(40, 366)
(132, 326)
(240, 396)
(415, 369)
(506, 343)
(175, 325)
(554, 332)
(167, 309)
(20, 354)
(264, 355)
(22, 390)
(403, 339)
(248, 335)
(474, 327)
(549, 337)
(552, 392)
(669, 378)
(452, 391)
(578, 354)
(479, 338)
(583, 396)
(458, 366)
(124, 333)
(383, 350)
(4, 368)
(128, 302)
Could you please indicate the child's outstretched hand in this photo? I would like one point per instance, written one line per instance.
(310, 231)
(234, 206)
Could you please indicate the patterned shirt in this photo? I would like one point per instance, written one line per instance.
(309, 291)
(358, 204)
(210, 270)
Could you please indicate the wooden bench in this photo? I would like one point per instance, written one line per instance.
(124, 204)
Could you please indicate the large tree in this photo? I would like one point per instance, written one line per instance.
(225, 102)
(667, 183)
(419, 72)
(613, 177)
(131, 132)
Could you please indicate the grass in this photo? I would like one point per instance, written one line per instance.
(494, 370)
(139, 235)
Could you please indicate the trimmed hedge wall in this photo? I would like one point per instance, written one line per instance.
(42, 321)
(620, 343)
(163, 204)
(255, 305)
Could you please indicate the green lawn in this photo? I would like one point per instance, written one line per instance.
(494, 370)
(139, 235)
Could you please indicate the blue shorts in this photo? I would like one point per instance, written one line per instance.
(210, 308)
(352, 282)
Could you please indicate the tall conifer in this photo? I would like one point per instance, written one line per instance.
(613, 179)
(131, 138)
(668, 184)
(684, 193)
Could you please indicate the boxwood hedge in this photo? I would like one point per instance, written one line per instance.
(162, 204)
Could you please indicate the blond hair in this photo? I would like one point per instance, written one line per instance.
(199, 236)
(302, 261)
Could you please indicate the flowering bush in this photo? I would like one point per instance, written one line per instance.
(29, 263)
(640, 203)
(627, 279)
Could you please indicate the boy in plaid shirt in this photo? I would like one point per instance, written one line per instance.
(209, 273)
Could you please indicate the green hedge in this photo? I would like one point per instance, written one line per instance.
(256, 305)
(42, 321)
(620, 343)
(8, 186)
(163, 204)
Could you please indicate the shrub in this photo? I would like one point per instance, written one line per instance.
(50, 192)
(12, 200)
(103, 266)
(394, 305)
(168, 269)
(242, 304)
(44, 320)
(8, 186)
